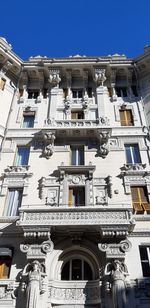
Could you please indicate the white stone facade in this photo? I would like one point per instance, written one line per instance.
(75, 181)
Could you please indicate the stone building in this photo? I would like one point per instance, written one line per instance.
(75, 181)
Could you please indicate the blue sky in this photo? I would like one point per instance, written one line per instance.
(68, 27)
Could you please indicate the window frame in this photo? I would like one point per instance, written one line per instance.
(143, 261)
(133, 151)
(83, 262)
(29, 114)
(128, 117)
(78, 151)
(10, 206)
(75, 200)
(19, 158)
(140, 205)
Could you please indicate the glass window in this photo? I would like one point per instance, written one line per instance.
(121, 91)
(132, 154)
(76, 196)
(22, 156)
(77, 155)
(145, 260)
(5, 264)
(28, 119)
(76, 269)
(13, 202)
(77, 93)
(33, 94)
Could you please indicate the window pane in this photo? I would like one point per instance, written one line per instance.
(128, 154)
(22, 156)
(87, 271)
(132, 153)
(145, 261)
(65, 271)
(13, 202)
(5, 264)
(28, 121)
(76, 269)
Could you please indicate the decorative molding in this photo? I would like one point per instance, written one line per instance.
(87, 170)
(15, 176)
(37, 251)
(115, 250)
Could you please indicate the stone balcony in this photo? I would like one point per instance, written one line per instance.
(7, 297)
(109, 222)
(74, 293)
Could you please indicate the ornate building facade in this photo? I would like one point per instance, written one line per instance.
(75, 181)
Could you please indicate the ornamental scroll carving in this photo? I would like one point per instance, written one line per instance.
(115, 250)
(37, 251)
(49, 138)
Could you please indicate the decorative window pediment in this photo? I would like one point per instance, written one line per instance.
(16, 176)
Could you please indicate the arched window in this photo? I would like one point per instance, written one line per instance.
(76, 269)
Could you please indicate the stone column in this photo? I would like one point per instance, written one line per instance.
(115, 273)
(34, 276)
(54, 80)
(113, 83)
(100, 90)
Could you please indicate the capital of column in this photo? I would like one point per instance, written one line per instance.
(37, 251)
(115, 251)
(100, 76)
(54, 77)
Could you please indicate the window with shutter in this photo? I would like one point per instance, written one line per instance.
(76, 196)
(5, 265)
(77, 115)
(126, 118)
(140, 199)
(2, 84)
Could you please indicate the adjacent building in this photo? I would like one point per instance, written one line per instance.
(74, 181)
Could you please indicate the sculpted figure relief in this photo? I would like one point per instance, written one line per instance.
(117, 272)
(33, 279)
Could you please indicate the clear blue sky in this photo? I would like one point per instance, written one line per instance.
(62, 28)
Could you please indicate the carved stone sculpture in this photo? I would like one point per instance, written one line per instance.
(34, 275)
(117, 272)
(49, 144)
(100, 76)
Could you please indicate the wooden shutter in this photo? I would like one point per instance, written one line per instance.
(70, 201)
(144, 198)
(74, 115)
(136, 200)
(2, 84)
(122, 118)
(129, 117)
(5, 264)
(126, 118)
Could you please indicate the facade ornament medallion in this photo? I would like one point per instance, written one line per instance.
(100, 76)
(103, 143)
(54, 78)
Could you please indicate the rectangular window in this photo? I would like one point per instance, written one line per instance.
(77, 93)
(132, 154)
(28, 119)
(77, 115)
(5, 265)
(145, 260)
(2, 84)
(77, 155)
(126, 117)
(134, 91)
(140, 200)
(22, 156)
(13, 202)
(33, 94)
(76, 196)
(121, 91)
